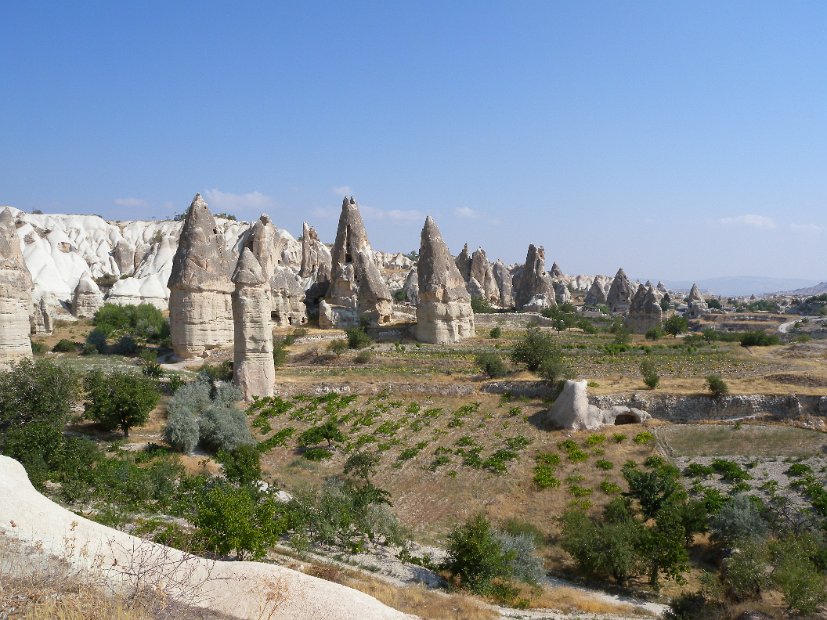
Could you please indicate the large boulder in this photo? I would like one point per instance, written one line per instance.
(572, 411)
(444, 314)
(15, 295)
(253, 369)
(200, 304)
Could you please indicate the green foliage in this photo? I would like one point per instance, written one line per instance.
(649, 371)
(697, 470)
(496, 332)
(223, 428)
(357, 338)
(338, 346)
(481, 306)
(280, 352)
(604, 464)
(242, 465)
(676, 324)
(362, 465)
(653, 489)
(717, 386)
(65, 346)
(738, 519)
(643, 438)
(491, 364)
(534, 348)
(183, 410)
(758, 339)
(544, 469)
(38, 391)
(214, 373)
(238, 520)
(142, 322)
(363, 357)
(797, 574)
(119, 399)
(329, 432)
(744, 573)
(655, 333)
(730, 470)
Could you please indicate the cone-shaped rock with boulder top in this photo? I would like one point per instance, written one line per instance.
(444, 314)
(200, 304)
(87, 298)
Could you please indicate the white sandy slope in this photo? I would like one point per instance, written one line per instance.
(111, 557)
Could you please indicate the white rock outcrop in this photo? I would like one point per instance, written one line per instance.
(200, 305)
(87, 298)
(444, 313)
(253, 369)
(572, 411)
(15, 295)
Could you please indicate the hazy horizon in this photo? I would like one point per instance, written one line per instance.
(687, 141)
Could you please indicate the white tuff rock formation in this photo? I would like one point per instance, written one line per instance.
(532, 287)
(15, 295)
(200, 307)
(87, 298)
(572, 411)
(644, 311)
(444, 314)
(620, 293)
(253, 369)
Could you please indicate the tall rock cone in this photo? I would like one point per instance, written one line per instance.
(444, 314)
(253, 369)
(596, 295)
(200, 307)
(644, 311)
(620, 293)
(533, 288)
(357, 288)
(15, 295)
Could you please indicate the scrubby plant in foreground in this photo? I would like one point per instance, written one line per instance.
(119, 399)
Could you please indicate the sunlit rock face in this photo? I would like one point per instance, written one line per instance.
(87, 298)
(15, 295)
(532, 287)
(200, 304)
(357, 289)
(619, 296)
(444, 314)
(644, 311)
(253, 369)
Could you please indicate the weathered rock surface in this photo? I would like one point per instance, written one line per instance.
(620, 293)
(572, 411)
(41, 320)
(411, 287)
(555, 272)
(253, 369)
(696, 304)
(532, 287)
(356, 284)
(287, 294)
(502, 278)
(483, 274)
(463, 262)
(596, 295)
(562, 294)
(15, 295)
(87, 298)
(644, 311)
(444, 313)
(316, 257)
(200, 304)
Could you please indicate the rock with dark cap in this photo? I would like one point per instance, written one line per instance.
(200, 304)
(444, 314)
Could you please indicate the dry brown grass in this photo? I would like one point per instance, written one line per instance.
(745, 440)
(570, 600)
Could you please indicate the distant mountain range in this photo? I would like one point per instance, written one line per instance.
(738, 286)
(818, 289)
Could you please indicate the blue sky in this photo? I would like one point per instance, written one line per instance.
(679, 140)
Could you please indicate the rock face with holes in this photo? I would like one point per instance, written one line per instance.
(620, 293)
(200, 304)
(253, 369)
(286, 291)
(87, 298)
(644, 311)
(532, 287)
(572, 411)
(15, 295)
(357, 289)
(444, 314)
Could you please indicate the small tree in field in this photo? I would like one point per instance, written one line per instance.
(717, 385)
(676, 324)
(119, 399)
(650, 373)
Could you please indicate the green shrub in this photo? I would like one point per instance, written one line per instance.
(650, 373)
(317, 454)
(329, 432)
(798, 469)
(744, 573)
(363, 357)
(604, 464)
(758, 339)
(491, 364)
(618, 437)
(697, 470)
(38, 348)
(610, 488)
(496, 332)
(96, 339)
(119, 399)
(676, 324)
(242, 465)
(223, 428)
(797, 575)
(730, 470)
(655, 333)
(738, 519)
(280, 353)
(357, 338)
(142, 322)
(213, 373)
(481, 306)
(643, 438)
(717, 386)
(126, 345)
(475, 555)
(595, 439)
(553, 367)
(338, 346)
(533, 348)
(65, 346)
(36, 391)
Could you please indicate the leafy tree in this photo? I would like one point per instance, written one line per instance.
(37, 391)
(650, 373)
(717, 385)
(481, 306)
(676, 324)
(119, 399)
(242, 465)
(491, 364)
(533, 348)
(223, 428)
(475, 555)
(714, 303)
(362, 464)
(665, 302)
(357, 338)
(496, 332)
(654, 488)
(745, 573)
(329, 432)
(739, 519)
(238, 520)
(796, 573)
